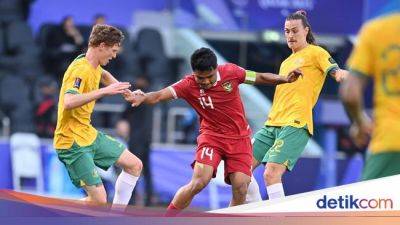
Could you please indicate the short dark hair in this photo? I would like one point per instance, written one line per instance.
(203, 59)
(302, 15)
(105, 33)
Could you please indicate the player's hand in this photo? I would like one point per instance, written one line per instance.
(134, 97)
(360, 132)
(128, 94)
(116, 88)
(139, 97)
(340, 75)
(294, 75)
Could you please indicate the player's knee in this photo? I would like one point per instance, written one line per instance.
(271, 176)
(135, 167)
(138, 166)
(197, 185)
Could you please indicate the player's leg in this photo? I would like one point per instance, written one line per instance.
(273, 179)
(239, 182)
(204, 168)
(127, 179)
(238, 160)
(262, 141)
(96, 194)
(253, 190)
(283, 155)
(202, 175)
(83, 173)
(108, 152)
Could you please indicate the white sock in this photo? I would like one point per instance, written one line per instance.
(123, 188)
(275, 191)
(253, 191)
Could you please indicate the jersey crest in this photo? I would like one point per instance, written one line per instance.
(299, 62)
(227, 86)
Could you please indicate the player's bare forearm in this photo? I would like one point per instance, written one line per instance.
(107, 78)
(72, 101)
(270, 78)
(158, 96)
(152, 97)
(351, 93)
(137, 98)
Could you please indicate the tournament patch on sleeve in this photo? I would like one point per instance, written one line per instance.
(77, 83)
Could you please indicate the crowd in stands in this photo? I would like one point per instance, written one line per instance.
(32, 65)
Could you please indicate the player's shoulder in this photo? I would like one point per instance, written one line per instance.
(316, 49)
(80, 66)
(228, 70)
(379, 27)
(186, 79)
(380, 23)
(317, 52)
(285, 61)
(227, 66)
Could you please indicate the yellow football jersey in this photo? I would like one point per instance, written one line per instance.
(74, 125)
(377, 55)
(293, 102)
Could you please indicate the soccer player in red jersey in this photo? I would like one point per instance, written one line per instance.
(213, 91)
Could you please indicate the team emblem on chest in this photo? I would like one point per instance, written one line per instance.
(227, 86)
(299, 62)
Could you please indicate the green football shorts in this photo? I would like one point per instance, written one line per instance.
(381, 165)
(282, 145)
(81, 161)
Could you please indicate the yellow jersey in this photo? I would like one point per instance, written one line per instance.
(74, 125)
(293, 102)
(377, 56)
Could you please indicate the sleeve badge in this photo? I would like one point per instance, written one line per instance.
(77, 83)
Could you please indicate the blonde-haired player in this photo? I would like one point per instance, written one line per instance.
(79, 145)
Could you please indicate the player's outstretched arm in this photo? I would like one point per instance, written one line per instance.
(72, 101)
(149, 98)
(107, 78)
(351, 93)
(271, 78)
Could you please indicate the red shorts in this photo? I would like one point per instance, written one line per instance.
(237, 154)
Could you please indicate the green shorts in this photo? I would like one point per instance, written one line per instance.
(282, 145)
(381, 165)
(81, 162)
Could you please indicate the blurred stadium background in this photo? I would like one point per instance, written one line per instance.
(160, 36)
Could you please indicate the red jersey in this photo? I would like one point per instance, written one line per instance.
(220, 107)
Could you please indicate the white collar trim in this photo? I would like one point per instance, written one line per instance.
(218, 79)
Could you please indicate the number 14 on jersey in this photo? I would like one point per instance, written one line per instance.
(206, 102)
